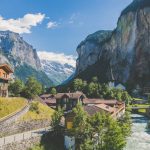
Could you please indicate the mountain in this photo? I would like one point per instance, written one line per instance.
(121, 55)
(58, 67)
(22, 57)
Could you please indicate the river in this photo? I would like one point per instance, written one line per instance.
(140, 138)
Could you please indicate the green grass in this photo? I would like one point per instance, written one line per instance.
(142, 110)
(137, 99)
(41, 112)
(10, 105)
(139, 105)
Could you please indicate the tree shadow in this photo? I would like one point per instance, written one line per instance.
(52, 141)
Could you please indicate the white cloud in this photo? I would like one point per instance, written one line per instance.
(52, 25)
(21, 25)
(58, 57)
(73, 18)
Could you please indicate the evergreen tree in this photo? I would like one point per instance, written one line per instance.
(93, 90)
(113, 137)
(78, 85)
(81, 128)
(53, 91)
(95, 79)
(56, 120)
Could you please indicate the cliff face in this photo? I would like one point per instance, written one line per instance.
(123, 54)
(14, 47)
(22, 57)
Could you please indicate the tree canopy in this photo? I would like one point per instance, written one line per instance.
(32, 88)
(100, 131)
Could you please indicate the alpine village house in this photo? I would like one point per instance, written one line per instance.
(5, 77)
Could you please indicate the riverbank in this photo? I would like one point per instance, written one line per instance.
(140, 137)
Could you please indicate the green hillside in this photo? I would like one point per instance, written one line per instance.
(10, 105)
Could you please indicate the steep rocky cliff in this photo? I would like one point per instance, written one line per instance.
(22, 56)
(122, 55)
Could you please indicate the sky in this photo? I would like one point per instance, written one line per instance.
(58, 26)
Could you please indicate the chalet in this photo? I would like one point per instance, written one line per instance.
(49, 99)
(68, 101)
(5, 72)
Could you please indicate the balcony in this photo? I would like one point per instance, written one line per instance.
(4, 78)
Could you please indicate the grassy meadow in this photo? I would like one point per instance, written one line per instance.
(10, 105)
(38, 111)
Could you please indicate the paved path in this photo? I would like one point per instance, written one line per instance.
(23, 136)
(14, 116)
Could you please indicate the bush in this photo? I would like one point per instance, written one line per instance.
(37, 147)
(34, 107)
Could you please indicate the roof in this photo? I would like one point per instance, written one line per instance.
(92, 109)
(106, 108)
(50, 101)
(99, 101)
(6, 67)
(47, 96)
(70, 95)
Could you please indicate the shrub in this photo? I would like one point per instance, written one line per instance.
(34, 107)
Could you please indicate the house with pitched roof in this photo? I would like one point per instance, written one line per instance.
(5, 77)
(68, 101)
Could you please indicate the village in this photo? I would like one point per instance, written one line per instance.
(67, 102)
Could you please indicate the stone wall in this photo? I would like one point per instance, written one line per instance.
(23, 145)
(19, 127)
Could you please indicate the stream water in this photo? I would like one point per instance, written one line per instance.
(140, 138)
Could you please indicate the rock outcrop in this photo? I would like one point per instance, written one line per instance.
(13, 46)
(122, 55)
(22, 57)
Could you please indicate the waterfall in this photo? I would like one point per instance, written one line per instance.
(132, 40)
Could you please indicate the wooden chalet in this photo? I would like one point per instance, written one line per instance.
(5, 72)
(68, 101)
(49, 99)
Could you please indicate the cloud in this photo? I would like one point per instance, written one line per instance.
(51, 25)
(58, 57)
(73, 18)
(76, 20)
(21, 25)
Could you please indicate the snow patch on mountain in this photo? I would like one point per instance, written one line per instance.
(58, 66)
